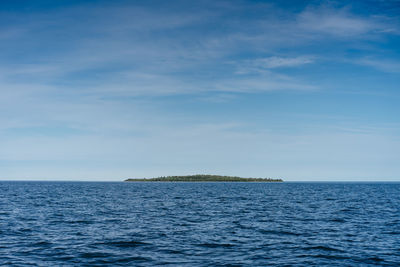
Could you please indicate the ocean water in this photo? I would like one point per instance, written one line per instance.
(199, 224)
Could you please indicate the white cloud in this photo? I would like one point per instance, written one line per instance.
(262, 84)
(266, 64)
(282, 62)
(380, 64)
(135, 50)
(339, 22)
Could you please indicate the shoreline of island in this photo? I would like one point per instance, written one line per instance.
(202, 178)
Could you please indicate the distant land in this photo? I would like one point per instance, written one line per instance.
(202, 178)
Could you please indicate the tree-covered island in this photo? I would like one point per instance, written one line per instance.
(202, 178)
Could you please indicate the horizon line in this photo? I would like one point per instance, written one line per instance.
(123, 180)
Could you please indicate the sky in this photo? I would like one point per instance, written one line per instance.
(109, 90)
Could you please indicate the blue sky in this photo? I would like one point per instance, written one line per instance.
(106, 90)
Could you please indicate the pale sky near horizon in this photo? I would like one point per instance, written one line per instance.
(107, 90)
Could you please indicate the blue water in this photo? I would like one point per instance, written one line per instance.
(199, 224)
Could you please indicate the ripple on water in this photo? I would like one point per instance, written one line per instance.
(216, 245)
(124, 244)
(199, 224)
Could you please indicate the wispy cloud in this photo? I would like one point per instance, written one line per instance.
(136, 50)
(380, 64)
(282, 62)
(340, 22)
(259, 84)
(266, 64)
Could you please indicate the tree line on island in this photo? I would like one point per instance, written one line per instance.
(202, 178)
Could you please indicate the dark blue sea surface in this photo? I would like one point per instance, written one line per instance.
(199, 224)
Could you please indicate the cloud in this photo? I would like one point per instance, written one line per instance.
(266, 64)
(340, 22)
(134, 49)
(282, 62)
(260, 84)
(380, 64)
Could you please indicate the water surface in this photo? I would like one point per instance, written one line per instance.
(199, 224)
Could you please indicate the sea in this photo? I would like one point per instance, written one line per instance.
(199, 224)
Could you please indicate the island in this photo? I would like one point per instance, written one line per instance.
(202, 178)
